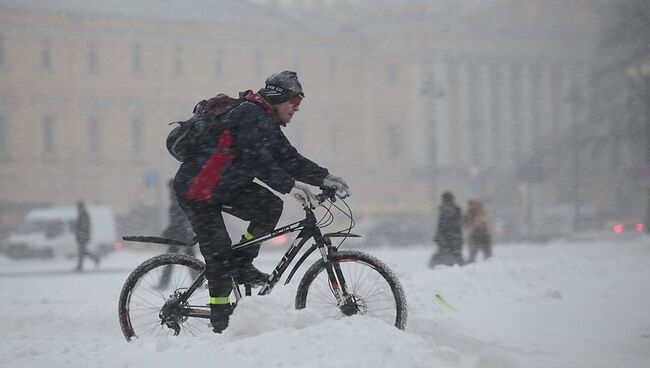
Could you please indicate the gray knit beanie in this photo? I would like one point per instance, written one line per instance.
(281, 87)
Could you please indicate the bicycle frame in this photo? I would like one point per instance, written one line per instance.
(308, 229)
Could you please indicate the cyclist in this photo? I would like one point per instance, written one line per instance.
(215, 181)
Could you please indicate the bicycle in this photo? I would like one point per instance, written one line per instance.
(353, 282)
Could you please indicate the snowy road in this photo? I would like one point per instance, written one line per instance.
(555, 305)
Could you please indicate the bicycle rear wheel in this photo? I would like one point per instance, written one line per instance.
(372, 288)
(153, 285)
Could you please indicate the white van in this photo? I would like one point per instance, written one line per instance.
(48, 232)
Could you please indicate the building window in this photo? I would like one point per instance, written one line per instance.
(92, 57)
(46, 54)
(48, 135)
(94, 138)
(2, 51)
(137, 59)
(333, 70)
(138, 137)
(392, 74)
(257, 59)
(178, 61)
(4, 140)
(336, 135)
(218, 65)
(297, 62)
(395, 142)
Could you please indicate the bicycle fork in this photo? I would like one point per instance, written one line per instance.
(335, 275)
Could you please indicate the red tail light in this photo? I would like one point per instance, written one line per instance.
(280, 240)
(118, 246)
(639, 228)
(618, 228)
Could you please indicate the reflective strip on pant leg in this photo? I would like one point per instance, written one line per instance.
(220, 300)
(248, 236)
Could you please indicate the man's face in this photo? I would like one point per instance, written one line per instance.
(286, 109)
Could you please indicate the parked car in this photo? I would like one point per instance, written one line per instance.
(394, 230)
(48, 232)
(626, 227)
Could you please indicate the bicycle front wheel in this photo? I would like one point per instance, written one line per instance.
(146, 307)
(372, 289)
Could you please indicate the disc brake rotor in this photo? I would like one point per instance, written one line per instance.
(354, 304)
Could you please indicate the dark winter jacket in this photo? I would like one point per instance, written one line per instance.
(448, 235)
(82, 230)
(252, 146)
(179, 227)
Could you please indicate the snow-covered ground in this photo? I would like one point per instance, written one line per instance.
(552, 305)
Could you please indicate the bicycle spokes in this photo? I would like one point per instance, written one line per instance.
(154, 304)
(367, 292)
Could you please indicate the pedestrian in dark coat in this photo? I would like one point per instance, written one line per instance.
(448, 234)
(83, 233)
(178, 228)
(477, 228)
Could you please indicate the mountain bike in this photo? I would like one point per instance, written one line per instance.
(341, 283)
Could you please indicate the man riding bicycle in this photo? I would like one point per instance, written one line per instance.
(212, 182)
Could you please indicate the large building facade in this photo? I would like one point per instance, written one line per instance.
(404, 100)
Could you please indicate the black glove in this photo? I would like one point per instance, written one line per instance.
(302, 193)
(338, 183)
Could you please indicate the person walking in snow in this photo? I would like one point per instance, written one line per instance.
(477, 228)
(82, 233)
(448, 234)
(178, 228)
(208, 184)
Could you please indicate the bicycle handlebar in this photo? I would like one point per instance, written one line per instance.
(327, 193)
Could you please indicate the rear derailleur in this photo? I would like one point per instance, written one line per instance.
(171, 313)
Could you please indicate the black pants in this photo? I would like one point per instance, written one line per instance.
(82, 251)
(255, 204)
(449, 253)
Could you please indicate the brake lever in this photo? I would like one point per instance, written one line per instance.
(305, 203)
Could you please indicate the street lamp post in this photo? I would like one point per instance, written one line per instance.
(640, 76)
(432, 93)
(645, 71)
(577, 101)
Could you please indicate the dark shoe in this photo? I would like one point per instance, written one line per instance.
(249, 274)
(220, 316)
